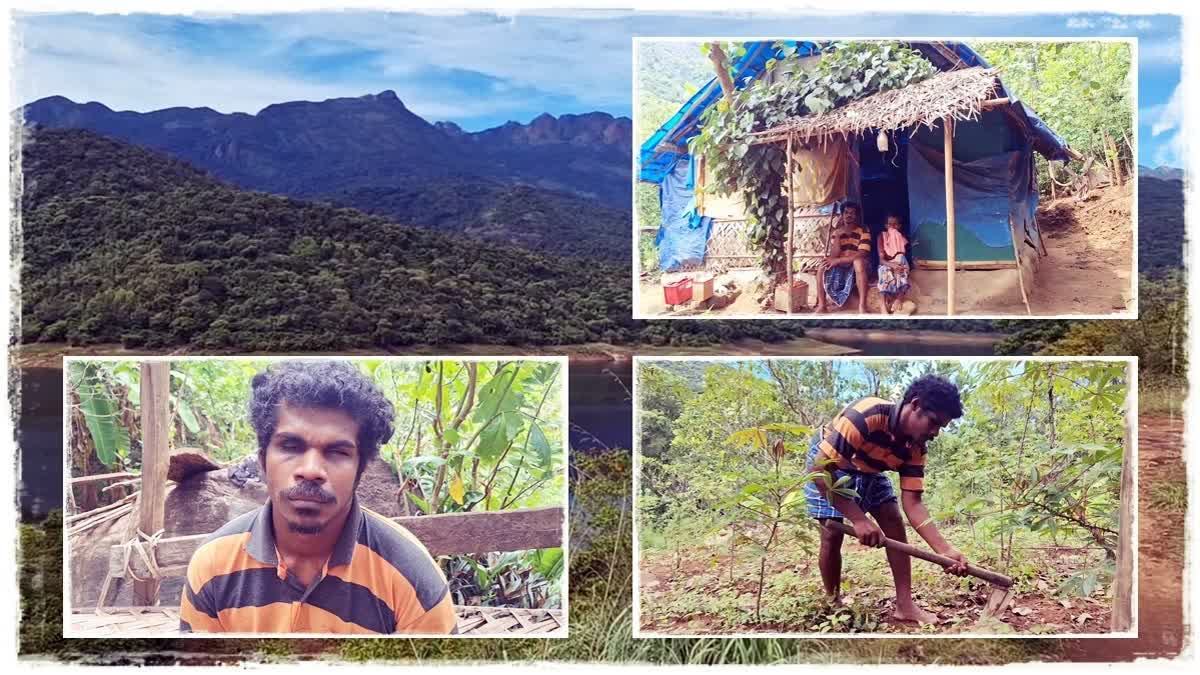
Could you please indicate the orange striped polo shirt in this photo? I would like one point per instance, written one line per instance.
(379, 579)
(864, 438)
(856, 239)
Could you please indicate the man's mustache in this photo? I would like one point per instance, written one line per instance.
(310, 490)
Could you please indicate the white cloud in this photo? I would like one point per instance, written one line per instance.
(1170, 116)
(1171, 152)
(1080, 23)
(1159, 52)
(1149, 115)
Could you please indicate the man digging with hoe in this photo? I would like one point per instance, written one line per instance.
(867, 438)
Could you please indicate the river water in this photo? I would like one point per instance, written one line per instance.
(600, 410)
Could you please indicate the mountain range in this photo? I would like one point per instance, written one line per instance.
(1161, 172)
(354, 151)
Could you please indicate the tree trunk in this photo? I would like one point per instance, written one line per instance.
(1050, 418)
(762, 572)
(1122, 612)
(1114, 162)
(721, 65)
(762, 568)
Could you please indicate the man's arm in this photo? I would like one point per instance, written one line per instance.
(438, 620)
(918, 516)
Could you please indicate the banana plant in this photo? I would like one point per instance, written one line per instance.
(101, 407)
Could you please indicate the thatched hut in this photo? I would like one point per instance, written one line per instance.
(888, 151)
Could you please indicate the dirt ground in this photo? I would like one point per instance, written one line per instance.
(1087, 270)
(1035, 612)
(1160, 572)
(1160, 555)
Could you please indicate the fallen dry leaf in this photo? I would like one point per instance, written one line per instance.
(1022, 611)
(1082, 618)
(1066, 604)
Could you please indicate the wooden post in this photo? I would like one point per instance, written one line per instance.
(1053, 184)
(1122, 611)
(156, 425)
(948, 134)
(791, 237)
(1012, 230)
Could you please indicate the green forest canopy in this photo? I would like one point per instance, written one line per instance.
(123, 245)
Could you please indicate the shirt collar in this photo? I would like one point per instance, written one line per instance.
(261, 545)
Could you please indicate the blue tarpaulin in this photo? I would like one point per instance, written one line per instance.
(668, 143)
(988, 192)
(981, 190)
(683, 235)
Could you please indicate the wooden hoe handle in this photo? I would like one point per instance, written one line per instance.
(994, 578)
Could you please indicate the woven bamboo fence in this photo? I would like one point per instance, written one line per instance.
(135, 622)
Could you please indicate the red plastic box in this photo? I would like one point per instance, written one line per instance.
(678, 292)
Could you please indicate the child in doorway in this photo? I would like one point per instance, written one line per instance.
(893, 265)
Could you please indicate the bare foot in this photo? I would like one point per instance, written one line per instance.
(862, 308)
(915, 614)
(819, 309)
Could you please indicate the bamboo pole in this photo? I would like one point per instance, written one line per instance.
(102, 476)
(993, 103)
(948, 135)
(1020, 271)
(156, 425)
(791, 237)
(74, 518)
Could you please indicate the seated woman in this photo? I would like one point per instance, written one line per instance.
(893, 265)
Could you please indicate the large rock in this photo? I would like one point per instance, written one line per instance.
(199, 505)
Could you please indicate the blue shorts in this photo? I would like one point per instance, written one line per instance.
(874, 489)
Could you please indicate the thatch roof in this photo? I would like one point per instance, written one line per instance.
(957, 93)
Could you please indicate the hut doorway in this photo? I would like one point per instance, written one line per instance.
(883, 183)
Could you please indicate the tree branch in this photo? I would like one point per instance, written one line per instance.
(468, 401)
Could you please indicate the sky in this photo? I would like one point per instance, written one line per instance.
(481, 69)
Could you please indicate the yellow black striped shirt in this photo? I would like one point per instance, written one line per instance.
(855, 239)
(864, 438)
(379, 579)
